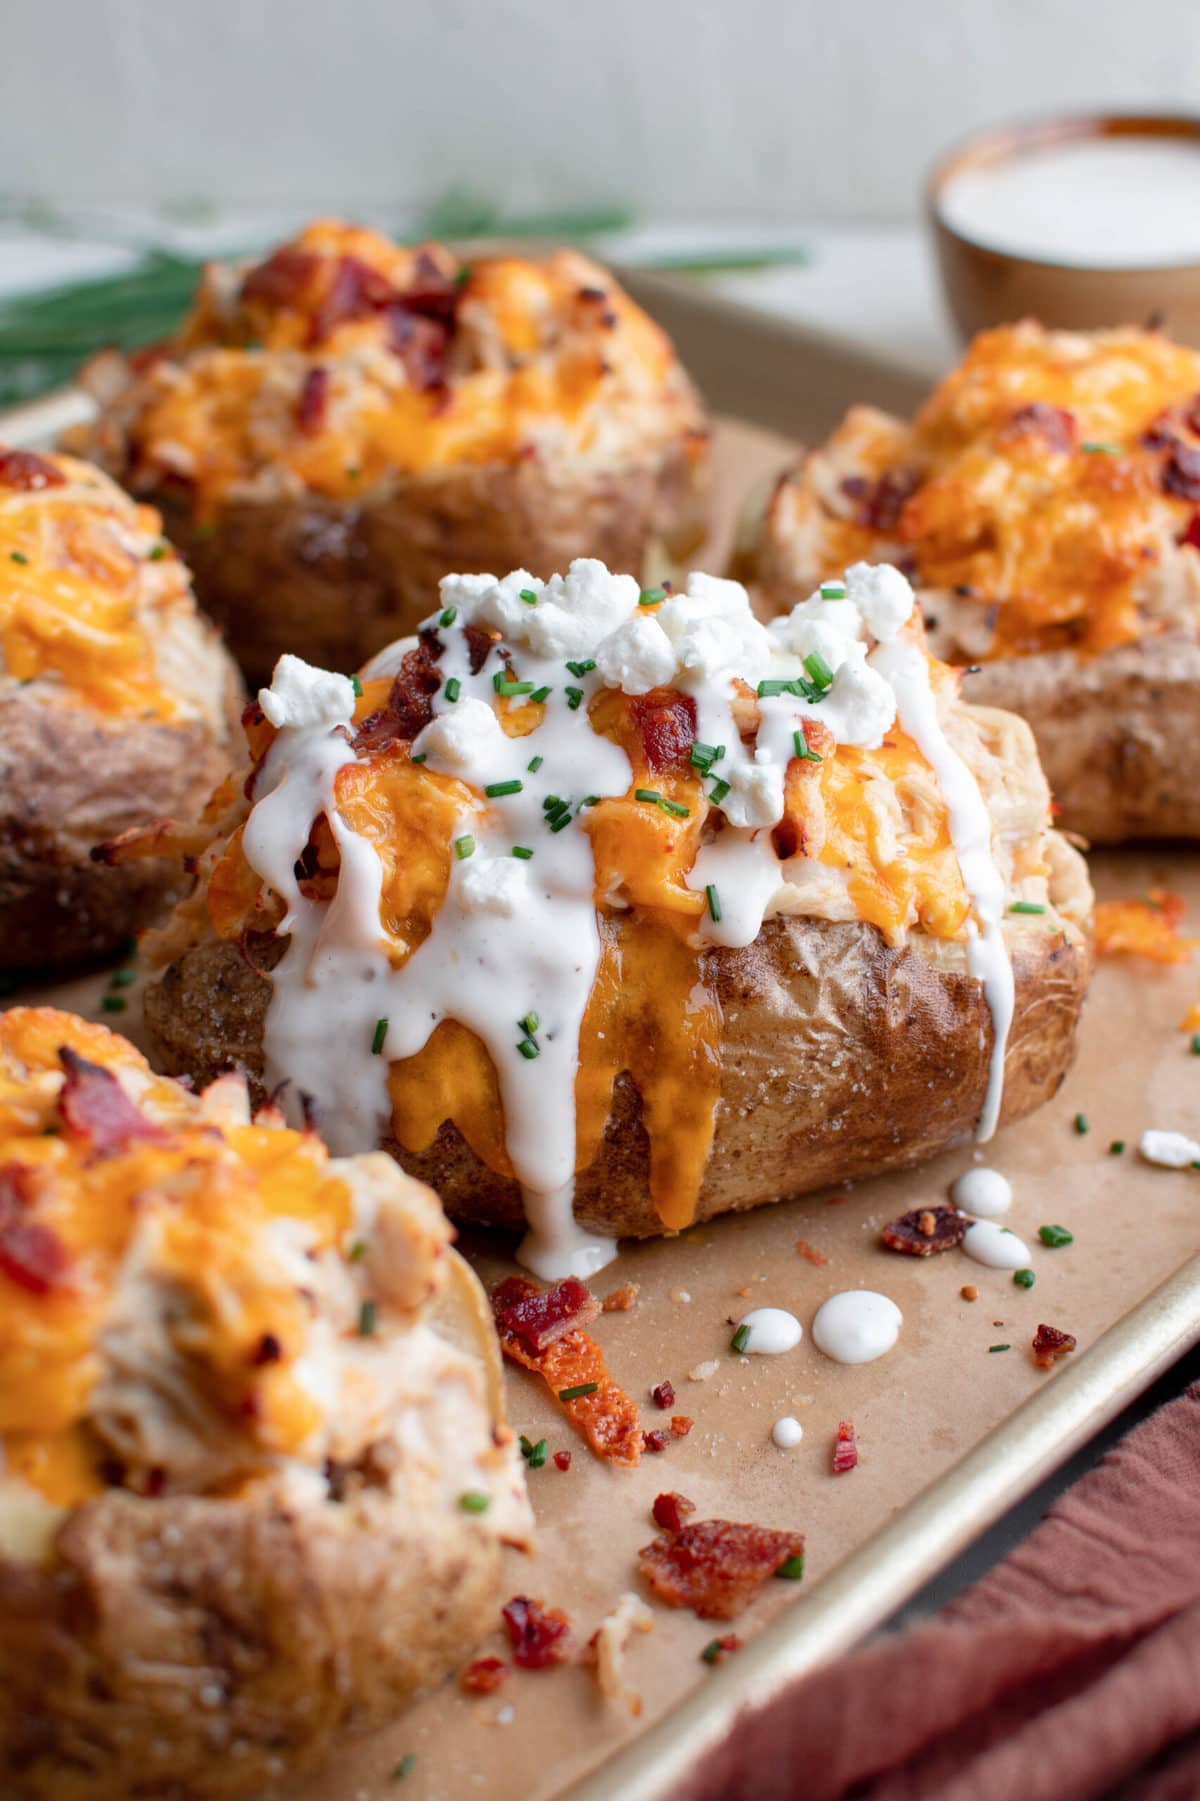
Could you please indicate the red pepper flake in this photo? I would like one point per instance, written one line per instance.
(926, 1230)
(314, 400)
(539, 1634)
(484, 1676)
(93, 1104)
(621, 1299)
(845, 1448)
(663, 1395)
(718, 1649)
(671, 1510)
(811, 1254)
(1049, 1344)
(562, 1460)
(539, 1316)
(716, 1567)
(681, 1425)
(655, 1441)
(28, 472)
(606, 1416)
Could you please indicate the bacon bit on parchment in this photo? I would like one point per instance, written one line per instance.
(1049, 1344)
(810, 1253)
(655, 1441)
(484, 1676)
(681, 1424)
(606, 1649)
(93, 1104)
(926, 1230)
(671, 1511)
(716, 1567)
(621, 1299)
(663, 1395)
(744, 1291)
(539, 1635)
(562, 1460)
(845, 1448)
(1143, 928)
(607, 1418)
(969, 1292)
(718, 1649)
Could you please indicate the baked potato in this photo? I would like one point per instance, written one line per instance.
(255, 1479)
(1045, 501)
(337, 427)
(117, 704)
(611, 910)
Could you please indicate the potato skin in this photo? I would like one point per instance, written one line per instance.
(71, 777)
(189, 1649)
(841, 1058)
(336, 581)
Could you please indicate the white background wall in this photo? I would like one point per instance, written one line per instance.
(767, 109)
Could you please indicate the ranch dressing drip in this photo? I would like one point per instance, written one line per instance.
(856, 1326)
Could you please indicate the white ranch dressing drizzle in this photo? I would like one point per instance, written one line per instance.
(984, 1193)
(995, 1246)
(971, 833)
(857, 1326)
(772, 1331)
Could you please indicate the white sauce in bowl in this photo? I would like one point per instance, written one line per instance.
(857, 1326)
(1103, 203)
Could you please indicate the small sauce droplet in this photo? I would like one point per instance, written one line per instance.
(787, 1432)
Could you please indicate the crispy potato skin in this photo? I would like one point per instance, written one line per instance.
(841, 1058)
(335, 582)
(71, 777)
(192, 1649)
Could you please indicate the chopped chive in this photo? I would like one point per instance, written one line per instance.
(770, 689)
(552, 802)
(113, 1003)
(711, 1651)
(993, 1348)
(589, 800)
(504, 685)
(18, 556)
(523, 851)
(702, 756)
(528, 596)
(379, 1037)
(122, 978)
(650, 597)
(1195, 1044)
(419, 758)
(156, 553)
(447, 618)
(675, 808)
(534, 1454)
(718, 791)
(1055, 1236)
(802, 749)
(405, 1767)
(474, 1501)
(1080, 1123)
(528, 1049)
(1027, 907)
(714, 902)
(367, 1316)
(740, 1339)
(1101, 450)
(792, 1569)
(539, 695)
(1116, 1147)
(453, 688)
(574, 696)
(650, 794)
(819, 669)
(1024, 1278)
(832, 591)
(559, 820)
(577, 1393)
(583, 668)
(535, 763)
(464, 846)
(357, 1251)
(529, 1024)
(357, 686)
(497, 790)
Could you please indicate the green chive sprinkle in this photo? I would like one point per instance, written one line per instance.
(419, 758)
(534, 1454)
(740, 1339)
(801, 747)
(649, 794)
(502, 685)
(770, 689)
(367, 1315)
(1116, 1147)
(650, 597)
(453, 688)
(18, 556)
(793, 1569)
(832, 591)
(529, 1024)
(535, 763)
(589, 800)
(377, 1042)
(552, 802)
(352, 469)
(1101, 450)
(711, 1651)
(559, 820)
(497, 790)
(446, 619)
(583, 668)
(714, 902)
(993, 1348)
(1080, 1123)
(1195, 1044)
(523, 851)
(357, 1251)
(464, 846)
(528, 1049)
(1027, 907)
(574, 696)
(405, 1767)
(718, 791)
(474, 1501)
(577, 1393)
(819, 669)
(357, 686)
(122, 978)
(703, 756)
(675, 808)
(529, 597)
(113, 1003)
(157, 553)
(539, 695)
(1055, 1236)
(1024, 1278)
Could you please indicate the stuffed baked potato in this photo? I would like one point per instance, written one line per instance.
(1046, 501)
(339, 426)
(255, 1478)
(613, 911)
(116, 704)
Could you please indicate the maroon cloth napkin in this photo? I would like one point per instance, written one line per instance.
(1071, 1671)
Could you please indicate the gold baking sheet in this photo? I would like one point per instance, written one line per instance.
(950, 1434)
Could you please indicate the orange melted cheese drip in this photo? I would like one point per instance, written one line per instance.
(225, 407)
(1033, 486)
(207, 1195)
(74, 569)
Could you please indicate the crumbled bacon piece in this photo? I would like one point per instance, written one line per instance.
(715, 1567)
(1054, 426)
(666, 721)
(34, 1257)
(879, 503)
(605, 1415)
(681, 1425)
(1191, 536)
(313, 400)
(926, 1230)
(656, 1440)
(281, 279)
(93, 1103)
(663, 1395)
(845, 1448)
(562, 1460)
(28, 472)
(537, 1318)
(1181, 472)
(1143, 928)
(811, 1254)
(484, 1676)
(409, 706)
(621, 1299)
(539, 1634)
(671, 1510)
(1049, 1344)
